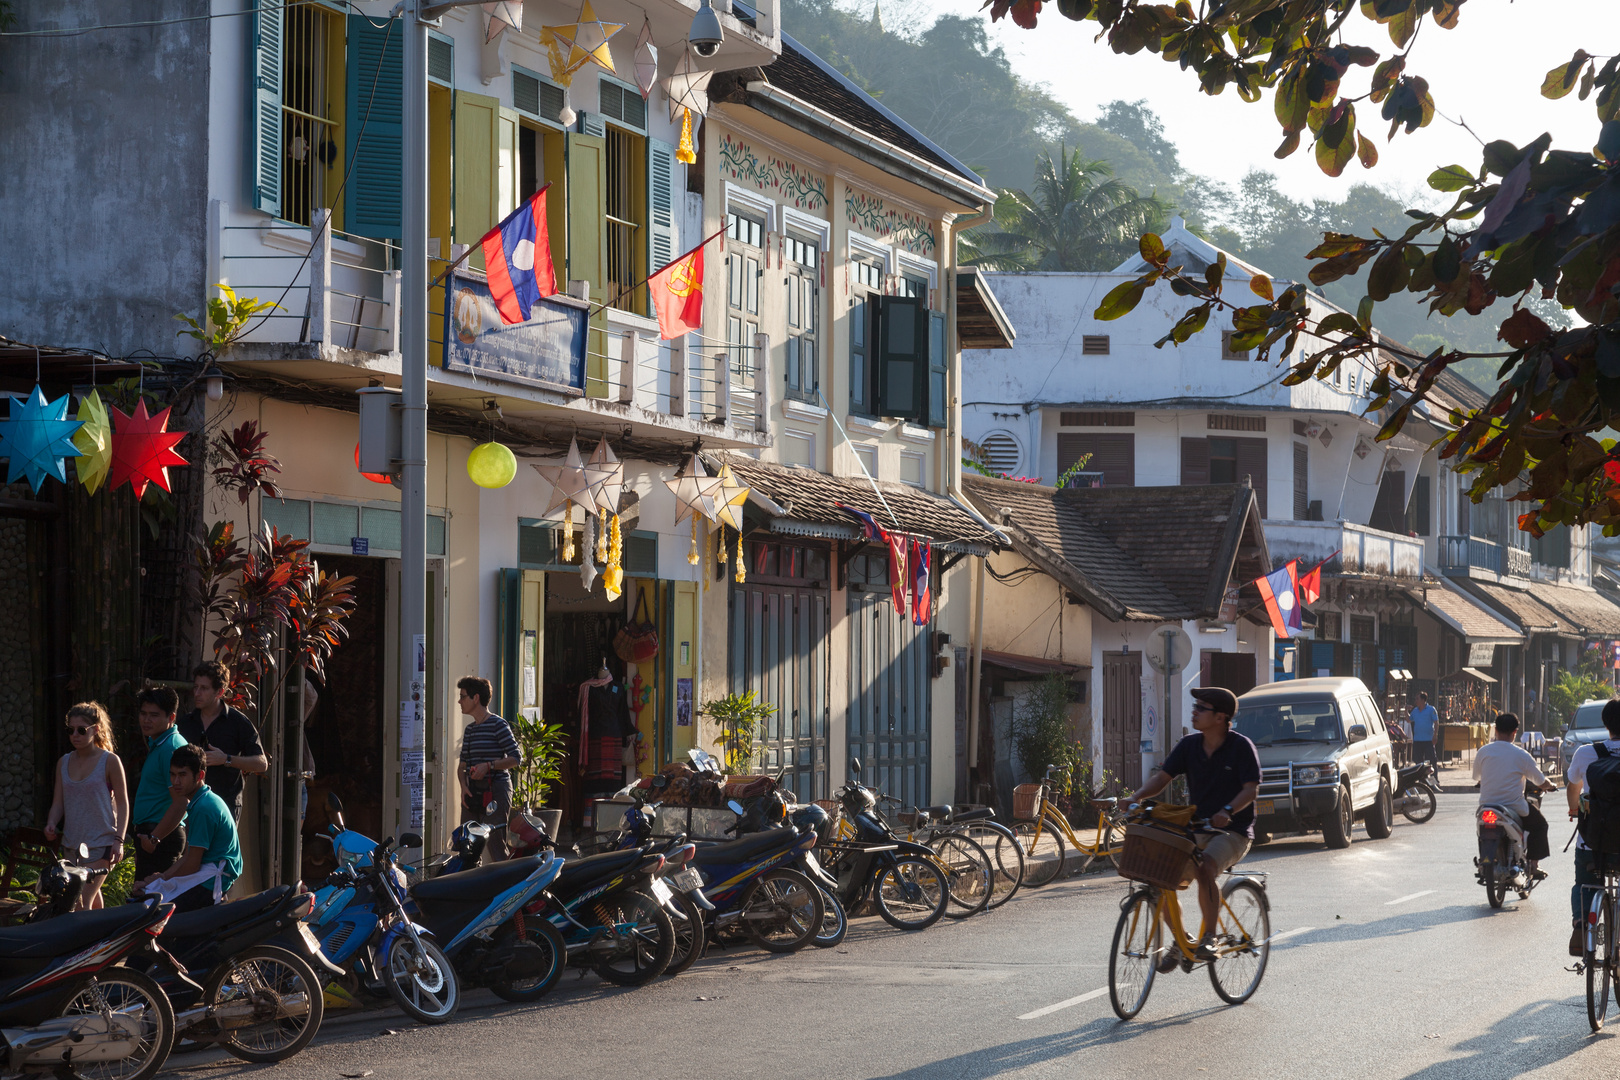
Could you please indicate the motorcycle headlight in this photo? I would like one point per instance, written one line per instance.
(1307, 775)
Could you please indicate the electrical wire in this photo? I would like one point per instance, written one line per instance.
(76, 31)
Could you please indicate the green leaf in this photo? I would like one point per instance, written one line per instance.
(1336, 144)
(1451, 178)
(1340, 322)
(1366, 151)
(1260, 285)
(1152, 249)
(1364, 312)
(1121, 300)
(1501, 156)
(1289, 144)
(1291, 102)
(1389, 274)
(1561, 79)
(1215, 273)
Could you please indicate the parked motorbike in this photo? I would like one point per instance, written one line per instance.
(71, 1006)
(909, 889)
(1415, 792)
(687, 905)
(609, 910)
(363, 927)
(261, 972)
(834, 921)
(754, 889)
(1502, 864)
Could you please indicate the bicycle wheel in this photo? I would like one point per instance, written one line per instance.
(126, 1001)
(645, 938)
(782, 912)
(1599, 960)
(1134, 956)
(834, 923)
(690, 936)
(911, 893)
(1043, 852)
(967, 872)
(1006, 858)
(1242, 941)
(284, 996)
(421, 981)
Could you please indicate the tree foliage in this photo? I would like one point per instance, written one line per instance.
(1529, 223)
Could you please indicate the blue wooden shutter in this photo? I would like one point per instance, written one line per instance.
(660, 204)
(264, 97)
(375, 122)
(938, 371)
(508, 635)
(902, 352)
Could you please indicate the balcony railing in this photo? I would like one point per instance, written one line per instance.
(1463, 555)
(1362, 549)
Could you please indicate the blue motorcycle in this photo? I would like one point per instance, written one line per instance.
(360, 918)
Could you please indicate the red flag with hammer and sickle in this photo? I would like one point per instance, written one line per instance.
(677, 293)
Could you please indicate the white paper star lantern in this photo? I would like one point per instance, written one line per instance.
(568, 482)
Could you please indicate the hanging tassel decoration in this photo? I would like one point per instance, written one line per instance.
(685, 152)
(720, 546)
(692, 555)
(601, 537)
(613, 576)
(568, 533)
(587, 561)
(742, 567)
(708, 558)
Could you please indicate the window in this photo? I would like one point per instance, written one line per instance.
(1302, 487)
(1225, 461)
(1112, 454)
(745, 236)
(626, 215)
(1553, 549)
(1094, 345)
(1418, 515)
(1097, 419)
(1361, 629)
(911, 376)
(1230, 422)
(913, 286)
(802, 370)
(1227, 351)
(1389, 507)
(311, 83)
(1329, 625)
(1223, 464)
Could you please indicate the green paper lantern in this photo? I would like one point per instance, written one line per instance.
(491, 465)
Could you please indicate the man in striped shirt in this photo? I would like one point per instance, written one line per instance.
(488, 752)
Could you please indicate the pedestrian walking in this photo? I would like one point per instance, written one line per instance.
(489, 751)
(229, 740)
(91, 802)
(213, 858)
(160, 831)
(1425, 722)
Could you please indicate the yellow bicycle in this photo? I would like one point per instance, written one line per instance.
(1160, 858)
(1046, 835)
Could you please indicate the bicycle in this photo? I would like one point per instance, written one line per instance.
(998, 841)
(1161, 857)
(1043, 830)
(1598, 955)
(973, 875)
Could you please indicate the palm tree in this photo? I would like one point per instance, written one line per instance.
(1079, 217)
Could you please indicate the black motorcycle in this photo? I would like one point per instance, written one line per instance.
(1415, 791)
(903, 879)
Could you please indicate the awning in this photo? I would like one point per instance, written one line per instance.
(1532, 616)
(1465, 615)
(1476, 674)
(1589, 611)
(980, 322)
(1030, 665)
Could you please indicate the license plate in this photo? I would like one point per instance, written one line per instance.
(1264, 806)
(813, 863)
(661, 891)
(310, 939)
(686, 880)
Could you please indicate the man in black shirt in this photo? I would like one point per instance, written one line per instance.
(229, 739)
(1223, 777)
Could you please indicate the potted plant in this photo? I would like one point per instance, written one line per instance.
(740, 718)
(544, 747)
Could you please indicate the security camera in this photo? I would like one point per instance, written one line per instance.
(705, 32)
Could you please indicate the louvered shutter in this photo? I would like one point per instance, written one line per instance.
(1194, 462)
(660, 203)
(264, 91)
(375, 125)
(902, 350)
(938, 371)
(1418, 513)
(587, 189)
(1113, 454)
(1251, 462)
(1302, 488)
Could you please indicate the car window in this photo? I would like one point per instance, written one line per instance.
(1275, 723)
(1589, 715)
(1374, 721)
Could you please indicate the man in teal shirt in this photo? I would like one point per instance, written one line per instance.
(1424, 721)
(160, 835)
(213, 859)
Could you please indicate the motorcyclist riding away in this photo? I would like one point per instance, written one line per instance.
(1503, 768)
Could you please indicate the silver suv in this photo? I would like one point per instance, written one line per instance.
(1585, 727)
(1325, 758)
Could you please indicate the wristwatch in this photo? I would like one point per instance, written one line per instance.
(1227, 809)
(227, 759)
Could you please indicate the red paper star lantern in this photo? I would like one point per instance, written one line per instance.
(143, 449)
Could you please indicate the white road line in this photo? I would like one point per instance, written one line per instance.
(1290, 933)
(1064, 1004)
(1410, 896)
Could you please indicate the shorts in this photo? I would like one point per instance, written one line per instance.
(96, 855)
(168, 852)
(1226, 849)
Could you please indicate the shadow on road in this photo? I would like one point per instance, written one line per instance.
(1534, 1036)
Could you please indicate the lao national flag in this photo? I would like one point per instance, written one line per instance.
(897, 572)
(922, 599)
(517, 259)
(870, 529)
(1280, 592)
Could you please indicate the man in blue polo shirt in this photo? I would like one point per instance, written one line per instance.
(160, 835)
(213, 859)
(1424, 721)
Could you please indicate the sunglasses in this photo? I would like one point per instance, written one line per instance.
(75, 729)
(1201, 707)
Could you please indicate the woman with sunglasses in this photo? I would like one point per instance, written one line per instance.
(91, 804)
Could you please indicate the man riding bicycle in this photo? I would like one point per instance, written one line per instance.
(1223, 777)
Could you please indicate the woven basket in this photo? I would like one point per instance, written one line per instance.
(1026, 801)
(1157, 856)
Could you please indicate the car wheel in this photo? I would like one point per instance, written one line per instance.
(1380, 816)
(1337, 827)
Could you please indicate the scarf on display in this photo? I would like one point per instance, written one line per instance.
(585, 718)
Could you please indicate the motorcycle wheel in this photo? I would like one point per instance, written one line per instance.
(267, 976)
(129, 994)
(911, 893)
(422, 983)
(1424, 812)
(834, 923)
(647, 947)
(690, 936)
(792, 910)
(543, 936)
(1494, 893)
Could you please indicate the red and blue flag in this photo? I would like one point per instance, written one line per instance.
(517, 260)
(870, 529)
(922, 599)
(1280, 590)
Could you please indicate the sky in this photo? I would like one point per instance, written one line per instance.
(1487, 72)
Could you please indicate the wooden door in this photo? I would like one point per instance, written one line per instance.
(890, 687)
(1122, 717)
(779, 651)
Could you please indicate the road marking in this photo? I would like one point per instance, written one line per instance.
(1064, 1004)
(1410, 896)
(1290, 933)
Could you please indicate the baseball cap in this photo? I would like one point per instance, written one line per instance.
(1218, 698)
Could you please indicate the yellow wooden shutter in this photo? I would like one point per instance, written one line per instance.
(587, 225)
(477, 169)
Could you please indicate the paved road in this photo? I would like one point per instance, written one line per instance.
(1393, 967)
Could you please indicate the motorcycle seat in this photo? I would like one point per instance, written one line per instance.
(606, 864)
(217, 920)
(736, 851)
(936, 813)
(68, 933)
(978, 813)
(479, 883)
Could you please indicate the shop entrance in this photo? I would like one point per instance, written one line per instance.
(579, 632)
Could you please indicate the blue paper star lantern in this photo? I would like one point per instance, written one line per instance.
(37, 437)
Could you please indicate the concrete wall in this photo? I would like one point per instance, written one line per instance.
(104, 175)
(1031, 617)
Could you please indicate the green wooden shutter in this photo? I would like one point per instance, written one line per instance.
(587, 224)
(660, 204)
(376, 126)
(264, 93)
(938, 371)
(477, 138)
(902, 352)
(508, 636)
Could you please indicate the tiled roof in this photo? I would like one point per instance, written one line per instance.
(1588, 610)
(1464, 614)
(1532, 615)
(809, 503)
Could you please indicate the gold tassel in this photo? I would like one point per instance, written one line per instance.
(692, 555)
(568, 533)
(613, 577)
(685, 153)
(742, 567)
(601, 536)
(708, 559)
(720, 546)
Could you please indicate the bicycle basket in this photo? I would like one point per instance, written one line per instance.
(1157, 856)
(1026, 801)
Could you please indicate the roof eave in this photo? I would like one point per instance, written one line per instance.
(978, 290)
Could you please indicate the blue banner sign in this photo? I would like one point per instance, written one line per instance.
(548, 351)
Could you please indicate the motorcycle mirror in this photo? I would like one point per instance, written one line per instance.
(855, 766)
(491, 806)
(736, 807)
(660, 782)
(333, 803)
(410, 840)
(83, 852)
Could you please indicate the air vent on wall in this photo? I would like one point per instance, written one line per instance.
(534, 96)
(441, 65)
(1001, 453)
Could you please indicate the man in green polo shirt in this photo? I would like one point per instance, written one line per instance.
(213, 859)
(160, 834)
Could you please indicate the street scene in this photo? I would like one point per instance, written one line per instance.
(1086, 532)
